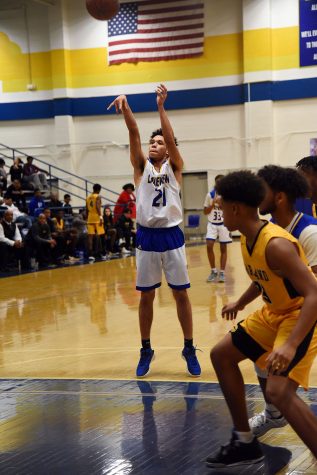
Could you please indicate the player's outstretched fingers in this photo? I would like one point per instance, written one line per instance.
(110, 105)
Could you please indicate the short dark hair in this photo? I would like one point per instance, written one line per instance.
(242, 186)
(29, 157)
(308, 163)
(160, 132)
(2, 162)
(287, 180)
(67, 196)
(7, 196)
(127, 186)
(96, 187)
(218, 177)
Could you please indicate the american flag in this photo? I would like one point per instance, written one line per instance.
(153, 30)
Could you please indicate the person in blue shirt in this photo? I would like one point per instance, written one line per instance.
(307, 166)
(37, 204)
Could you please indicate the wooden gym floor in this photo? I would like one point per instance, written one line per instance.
(69, 399)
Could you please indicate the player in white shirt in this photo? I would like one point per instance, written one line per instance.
(216, 230)
(283, 187)
(160, 241)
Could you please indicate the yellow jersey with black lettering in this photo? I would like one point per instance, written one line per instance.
(277, 292)
(91, 202)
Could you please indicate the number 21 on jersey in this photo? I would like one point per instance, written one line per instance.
(160, 198)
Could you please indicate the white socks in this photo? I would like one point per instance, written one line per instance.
(245, 437)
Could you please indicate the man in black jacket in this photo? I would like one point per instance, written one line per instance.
(126, 231)
(11, 245)
(40, 239)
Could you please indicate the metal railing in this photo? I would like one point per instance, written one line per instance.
(51, 172)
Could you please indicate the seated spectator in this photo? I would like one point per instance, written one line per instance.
(126, 200)
(126, 231)
(36, 204)
(54, 204)
(34, 175)
(80, 224)
(50, 221)
(17, 194)
(58, 235)
(16, 170)
(18, 216)
(59, 221)
(40, 239)
(3, 176)
(11, 245)
(110, 230)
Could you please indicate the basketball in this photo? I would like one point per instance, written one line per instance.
(102, 9)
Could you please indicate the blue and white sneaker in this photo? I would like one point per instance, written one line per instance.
(146, 357)
(193, 366)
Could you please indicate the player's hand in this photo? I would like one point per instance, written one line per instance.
(280, 358)
(161, 96)
(230, 311)
(119, 103)
(217, 201)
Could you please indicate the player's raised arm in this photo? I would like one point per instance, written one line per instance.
(136, 154)
(168, 133)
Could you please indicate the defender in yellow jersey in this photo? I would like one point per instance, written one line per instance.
(283, 186)
(94, 219)
(281, 335)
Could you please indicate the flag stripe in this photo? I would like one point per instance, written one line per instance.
(170, 9)
(154, 30)
(171, 20)
(172, 28)
(159, 48)
(155, 2)
(155, 58)
(156, 35)
(160, 39)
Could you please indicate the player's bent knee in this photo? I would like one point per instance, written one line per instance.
(217, 354)
(278, 391)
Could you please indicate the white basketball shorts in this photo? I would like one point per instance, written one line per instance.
(218, 231)
(160, 250)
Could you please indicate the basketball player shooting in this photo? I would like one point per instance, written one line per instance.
(159, 242)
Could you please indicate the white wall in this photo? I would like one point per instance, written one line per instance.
(210, 139)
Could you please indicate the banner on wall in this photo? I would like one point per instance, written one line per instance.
(156, 31)
(308, 32)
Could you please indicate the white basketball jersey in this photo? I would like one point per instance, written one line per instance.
(158, 203)
(215, 216)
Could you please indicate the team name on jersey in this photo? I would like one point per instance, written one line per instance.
(158, 180)
(259, 274)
